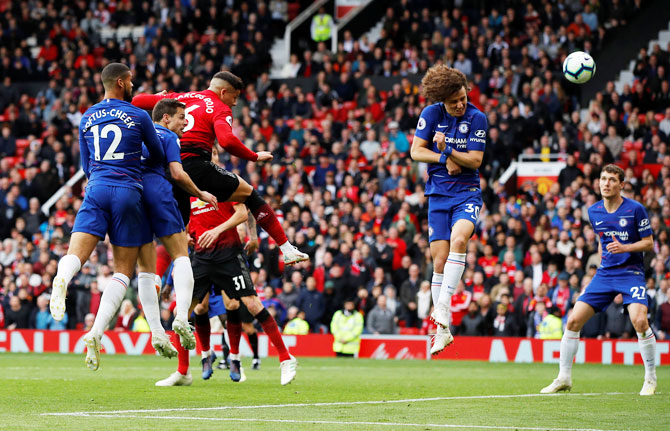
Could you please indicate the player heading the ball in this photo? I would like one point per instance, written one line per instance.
(209, 118)
(450, 137)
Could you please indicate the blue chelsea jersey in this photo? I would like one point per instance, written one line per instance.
(170, 143)
(111, 134)
(465, 133)
(629, 223)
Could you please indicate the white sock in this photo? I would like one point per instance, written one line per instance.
(183, 286)
(110, 302)
(569, 347)
(453, 271)
(68, 266)
(206, 353)
(234, 357)
(287, 247)
(146, 289)
(435, 286)
(647, 342)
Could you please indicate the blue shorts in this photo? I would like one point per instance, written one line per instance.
(160, 206)
(600, 293)
(444, 212)
(116, 211)
(216, 306)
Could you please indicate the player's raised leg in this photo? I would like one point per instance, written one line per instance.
(80, 248)
(647, 342)
(146, 289)
(267, 219)
(124, 264)
(581, 313)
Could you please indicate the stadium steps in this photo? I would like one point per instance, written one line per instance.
(626, 76)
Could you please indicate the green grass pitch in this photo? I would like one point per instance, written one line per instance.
(352, 392)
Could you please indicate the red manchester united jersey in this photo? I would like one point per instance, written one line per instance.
(207, 119)
(205, 217)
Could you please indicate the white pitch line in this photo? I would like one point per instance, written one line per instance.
(340, 403)
(294, 421)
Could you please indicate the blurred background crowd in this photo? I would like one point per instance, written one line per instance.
(342, 179)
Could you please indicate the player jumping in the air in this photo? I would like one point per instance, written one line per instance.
(166, 223)
(209, 117)
(625, 234)
(219, 261)
(450, 137)
(110, 138)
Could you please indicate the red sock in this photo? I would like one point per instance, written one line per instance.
(234, 326)
(182, 354)
(267, 218)
(272, 330)
(203, 329)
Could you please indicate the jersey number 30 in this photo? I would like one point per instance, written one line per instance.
(104, 133)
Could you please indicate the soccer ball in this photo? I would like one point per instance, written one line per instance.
(579, 67)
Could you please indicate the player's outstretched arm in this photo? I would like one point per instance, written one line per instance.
(239, 216)
(230, 142)
(186, 183)
(148, 101)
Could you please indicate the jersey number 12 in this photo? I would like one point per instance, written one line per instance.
(97, 134)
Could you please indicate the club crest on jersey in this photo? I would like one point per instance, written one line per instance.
(198, 204)
(623, 222)
(463, 128)
(422, 124)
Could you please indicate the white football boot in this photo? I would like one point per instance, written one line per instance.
(441, 340)
(161, 343)
(649, 387)
(92, 342)
(294, 256)
(57, 301)
(440, 316)
(558, 385)
(176, 379)
(186, 337)
(288, 370)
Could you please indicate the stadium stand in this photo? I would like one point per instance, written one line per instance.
(342, 178)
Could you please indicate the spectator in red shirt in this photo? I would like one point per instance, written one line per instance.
(460, 301)
(488, 261)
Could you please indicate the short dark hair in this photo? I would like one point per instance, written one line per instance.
(231, 79)
(614, 169)
(112, 72)
(166, 106)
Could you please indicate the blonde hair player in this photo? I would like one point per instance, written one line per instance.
(625, 233)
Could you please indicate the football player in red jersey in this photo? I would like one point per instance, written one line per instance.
(210, 118)
(219, 261)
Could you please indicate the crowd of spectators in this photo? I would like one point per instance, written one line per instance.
(341, 178)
